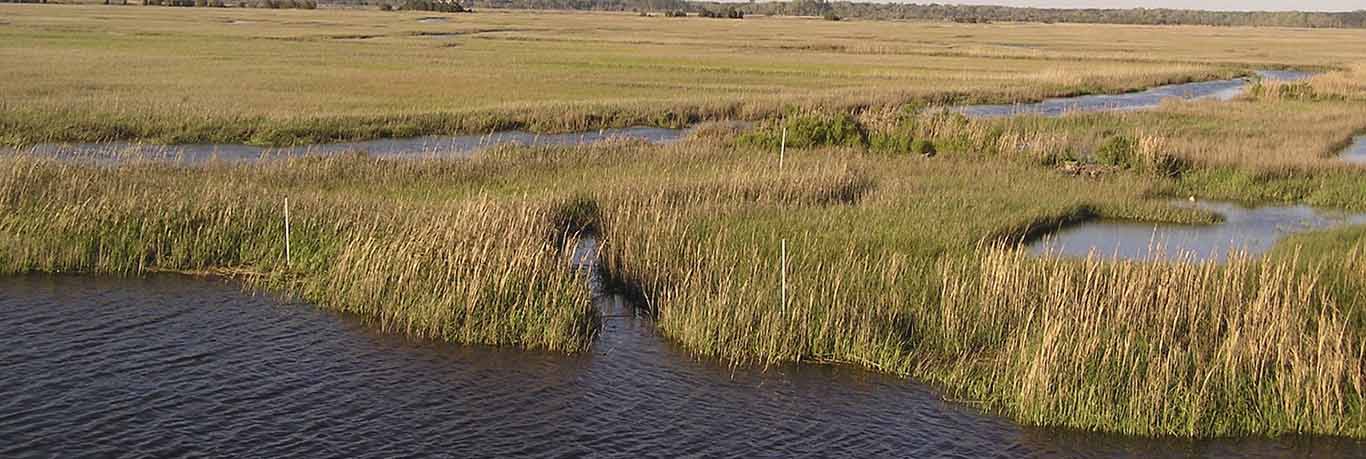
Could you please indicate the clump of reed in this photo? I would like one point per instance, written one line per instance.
(1190, 349)
(1346, 83)
(470, 269)
(1144, 153)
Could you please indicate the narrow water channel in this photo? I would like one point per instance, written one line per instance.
(1222, 90)
(1356, 152)
(1250, 230)
(467, 145)
(408, 147)
(176, 366)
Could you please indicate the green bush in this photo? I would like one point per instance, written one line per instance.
(1120, 151)
(895, 143)
(924, 148)
(809, 130)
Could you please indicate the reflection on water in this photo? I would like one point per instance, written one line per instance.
(1356, 152)
(1217, 90)
(1254, 230)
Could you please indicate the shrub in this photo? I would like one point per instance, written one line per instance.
(809, 130)
(1146, 154)
(890, 142)
(728, 13)
(924, 148)
(831, 16)
(1156, 158)
(1117, 151)
(432, 5)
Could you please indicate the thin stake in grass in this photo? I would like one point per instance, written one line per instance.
(287, 258)
(783, 275)
(782, 147)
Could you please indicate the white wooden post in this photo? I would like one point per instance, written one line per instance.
(784, 275)
(287, 260)
(782, 149)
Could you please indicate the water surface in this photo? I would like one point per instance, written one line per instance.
(1222, 90)
(1356, 152)
(1253, 230)
(175, 366)
(412, 147)
(467, 145)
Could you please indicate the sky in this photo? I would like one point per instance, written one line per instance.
(1229, 5)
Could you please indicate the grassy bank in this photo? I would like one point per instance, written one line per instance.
(898, 219)
(425, 269)
(189, 75)
(885, 268)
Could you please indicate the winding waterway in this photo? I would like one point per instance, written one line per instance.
(407, 147)
(1250, 230)
(467, 145)
(172, 366)
(1223, 90)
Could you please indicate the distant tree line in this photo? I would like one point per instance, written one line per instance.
(442, 6)
(589, 5)
(270, 4)
(986, 13)
(958, 13)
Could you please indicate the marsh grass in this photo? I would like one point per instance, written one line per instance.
(424, 269)
(895, 261)
(1190, 349)
(887, 268)
(540, 72)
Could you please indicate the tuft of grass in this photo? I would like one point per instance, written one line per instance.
(423, 269)
(1189, 349)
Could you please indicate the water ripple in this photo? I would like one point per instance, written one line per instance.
(175, 367)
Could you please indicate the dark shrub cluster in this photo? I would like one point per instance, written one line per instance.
(270, 4)
(728, 13)
(442, 6)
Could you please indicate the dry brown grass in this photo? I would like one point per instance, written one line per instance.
(1155, 348)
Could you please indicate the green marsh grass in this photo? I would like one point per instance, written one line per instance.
(278, 77)
(895, 261)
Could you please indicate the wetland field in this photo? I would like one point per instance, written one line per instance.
(537, 233)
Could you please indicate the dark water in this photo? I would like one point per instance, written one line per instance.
(1356, 153)
(412, 147)
(173, 366)
(1252, 230)
(1218, 90)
